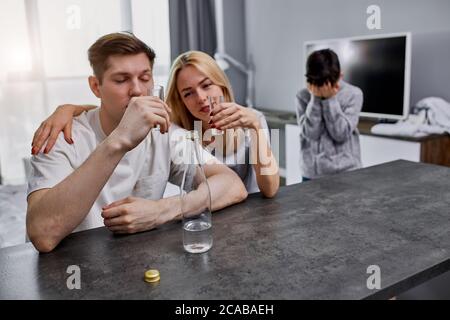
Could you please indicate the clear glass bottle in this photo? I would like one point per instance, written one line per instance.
(195, 197)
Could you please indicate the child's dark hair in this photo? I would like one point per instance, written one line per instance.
(323, 66)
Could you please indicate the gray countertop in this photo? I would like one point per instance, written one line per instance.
(282, 117)
(314, 240)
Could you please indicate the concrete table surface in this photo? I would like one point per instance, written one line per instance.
(314, 240)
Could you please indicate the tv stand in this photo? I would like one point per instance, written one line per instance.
(387, 121)
(376, 121)
(376, 148)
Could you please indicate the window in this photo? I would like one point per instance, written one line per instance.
(45, 63)
(15, 55)
(20, 101)
(67, 29)
(151, 25)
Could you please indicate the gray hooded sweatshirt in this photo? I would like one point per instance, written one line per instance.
(329, 136)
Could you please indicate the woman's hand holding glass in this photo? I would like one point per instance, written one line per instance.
(213, 103)
(230, 115)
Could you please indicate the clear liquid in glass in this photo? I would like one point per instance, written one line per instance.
(197, 235)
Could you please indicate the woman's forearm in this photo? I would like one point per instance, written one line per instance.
(266, 167)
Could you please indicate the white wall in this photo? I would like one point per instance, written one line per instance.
(276, 30)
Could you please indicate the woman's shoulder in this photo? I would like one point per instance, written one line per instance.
(174, 127)
(177, 134)
(261, 118)
(177, 130)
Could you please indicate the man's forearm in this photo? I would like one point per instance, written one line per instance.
(61, 209)
(226, 189)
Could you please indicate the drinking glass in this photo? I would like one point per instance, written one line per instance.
(157, 91)
(213, 102)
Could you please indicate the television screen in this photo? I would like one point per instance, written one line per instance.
(379, 66)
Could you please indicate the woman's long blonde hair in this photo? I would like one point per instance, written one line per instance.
(208, 66)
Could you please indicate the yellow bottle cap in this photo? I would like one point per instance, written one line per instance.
(152, 275)
(152, 280)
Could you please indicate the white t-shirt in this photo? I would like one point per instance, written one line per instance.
(142, 172)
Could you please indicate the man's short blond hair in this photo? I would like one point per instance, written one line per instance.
(120, 43)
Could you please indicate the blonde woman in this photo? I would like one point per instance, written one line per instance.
(194, 77)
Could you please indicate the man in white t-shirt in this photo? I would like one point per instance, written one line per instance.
(115, 171)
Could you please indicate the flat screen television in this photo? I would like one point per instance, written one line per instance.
(379, 65)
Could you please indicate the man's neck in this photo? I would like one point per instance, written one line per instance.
(107, 124)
